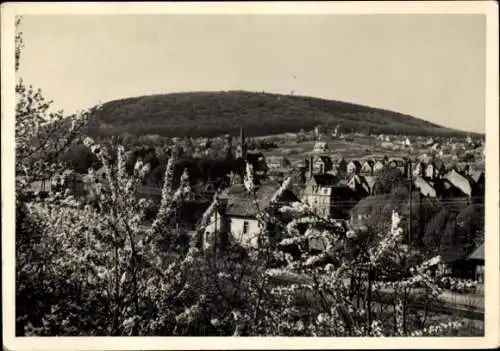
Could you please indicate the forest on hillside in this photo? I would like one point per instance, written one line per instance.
(210, 114)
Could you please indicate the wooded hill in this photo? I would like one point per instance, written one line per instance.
(210, 114)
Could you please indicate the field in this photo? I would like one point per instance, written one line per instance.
(355, 147)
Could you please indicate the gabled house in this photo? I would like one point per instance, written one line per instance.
(378, 166)
(258, 161)
(459, 181)
(322, 165)
(425, 187)
(320, 147)
(435, 169)
(367, 167)
(369, 183)
(339, 168)
(400, 164)
(353, 167)
(318, 193)
(237, 216)
(478, 183)
(327, 196)
(358, 185)
(419, 169)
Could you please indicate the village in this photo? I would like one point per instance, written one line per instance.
(449, 171)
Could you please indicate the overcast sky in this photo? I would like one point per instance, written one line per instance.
(429, 66)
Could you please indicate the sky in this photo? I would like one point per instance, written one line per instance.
(430, 66)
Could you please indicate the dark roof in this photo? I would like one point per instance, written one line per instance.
(476, 176)
(326, 160)
(356, 163)
(324, 179)
(438, 163)
(242, 204)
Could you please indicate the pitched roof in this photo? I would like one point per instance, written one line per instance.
(241, 204)
(326, 160)
(476, 176)
(370, 181)
(369, 162)
(478, 254)
(459, 181)
(426, 188)
(438, 163)
(324, 179)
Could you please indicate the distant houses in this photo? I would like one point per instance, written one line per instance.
(277, 161)
(353, 167)
(367, 167)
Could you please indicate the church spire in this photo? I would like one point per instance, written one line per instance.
(242, 145)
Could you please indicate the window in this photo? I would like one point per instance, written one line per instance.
(245, 227)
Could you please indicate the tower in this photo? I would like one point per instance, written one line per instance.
(242, 146)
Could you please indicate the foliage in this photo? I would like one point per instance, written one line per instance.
(98, 270)
(389, 179)
(218, 113)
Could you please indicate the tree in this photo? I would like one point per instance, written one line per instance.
(434, 231)
(389, 179)
(84, 270)
(470, 228)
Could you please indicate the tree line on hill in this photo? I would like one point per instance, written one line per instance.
(213, 114)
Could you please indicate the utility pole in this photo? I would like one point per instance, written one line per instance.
(410, 177)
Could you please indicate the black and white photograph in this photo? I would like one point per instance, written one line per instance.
(250, 173)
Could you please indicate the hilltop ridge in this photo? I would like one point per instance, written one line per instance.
(208, 114)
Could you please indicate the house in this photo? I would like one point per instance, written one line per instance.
(357, 183)
(435, 169)
(277, 161)
(425, 187)
(237, 216)
(353, 166)
(341, 165)
(318, 193)
(339, 168)
(322, 165)
(367, 167)
(459, 181)
(446, 190)
(320, 147)
(479, 182)
(459, 265)
(400, 164)
(327, 196)
(419, 169)
(378, 166)
(476, 258)
(369, 183)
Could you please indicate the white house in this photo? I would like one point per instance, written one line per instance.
(320, 147)
(237, 214)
